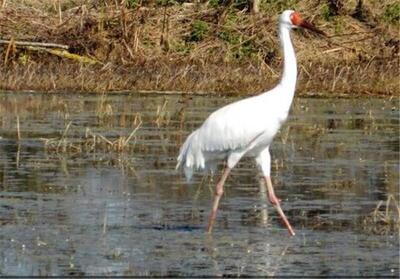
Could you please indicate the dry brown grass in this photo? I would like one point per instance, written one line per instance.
(146, 48)
(91, 142)
(385, 219)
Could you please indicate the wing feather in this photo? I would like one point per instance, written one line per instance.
(234, 126)
(231, 128)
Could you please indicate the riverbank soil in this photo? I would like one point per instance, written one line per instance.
(214, 46)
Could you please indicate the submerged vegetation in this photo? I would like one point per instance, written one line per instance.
(207, 46)
(384, 219)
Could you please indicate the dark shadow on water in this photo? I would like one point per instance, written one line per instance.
(178, 228)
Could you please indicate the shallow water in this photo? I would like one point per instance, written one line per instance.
(102, 212)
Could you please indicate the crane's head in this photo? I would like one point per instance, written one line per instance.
(292, 19)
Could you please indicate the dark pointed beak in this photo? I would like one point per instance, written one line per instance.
(306, 25)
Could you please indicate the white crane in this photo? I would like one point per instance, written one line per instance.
(246, 127)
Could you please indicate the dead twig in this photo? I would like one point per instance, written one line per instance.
(131, 135)
(34, 44)
(63, 135)
(18, 129)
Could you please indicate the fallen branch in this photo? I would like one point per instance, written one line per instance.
(34, 44)
(64, 54)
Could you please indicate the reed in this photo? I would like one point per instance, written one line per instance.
(385, 218)
(92, 142)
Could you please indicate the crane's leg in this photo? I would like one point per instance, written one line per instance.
(275, 202)
(264, 162)
(219, 190)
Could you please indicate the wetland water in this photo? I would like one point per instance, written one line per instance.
(72, 204)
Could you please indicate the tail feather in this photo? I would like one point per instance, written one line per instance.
(183, 152)
(189, 156)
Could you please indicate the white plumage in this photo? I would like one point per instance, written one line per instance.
(246, 127)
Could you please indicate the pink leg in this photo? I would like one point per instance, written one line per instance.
(276, 203)
(219, 190)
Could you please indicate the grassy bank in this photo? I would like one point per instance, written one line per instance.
(211, 46)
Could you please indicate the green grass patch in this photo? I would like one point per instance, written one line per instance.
(392, 14)
(325, 12)
(199, 30)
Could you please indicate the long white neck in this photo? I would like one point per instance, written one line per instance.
(289, 75)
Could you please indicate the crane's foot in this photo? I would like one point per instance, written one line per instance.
(284, 219)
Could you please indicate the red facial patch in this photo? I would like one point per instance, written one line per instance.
(295, 18)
